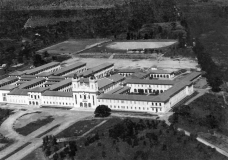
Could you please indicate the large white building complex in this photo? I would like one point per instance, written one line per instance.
(79, 87)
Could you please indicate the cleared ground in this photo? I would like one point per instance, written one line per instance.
(72, 46)
(165, 63)
(138, 45)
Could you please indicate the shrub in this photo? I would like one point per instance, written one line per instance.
(102, 111)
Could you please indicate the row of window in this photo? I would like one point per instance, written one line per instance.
(130, 102)
(58, 103)
(147, 91)
(17, 101)
(135, 108)
(148, 85)
(57, 98)
(159, 75)
(85, 105)
(35, 96)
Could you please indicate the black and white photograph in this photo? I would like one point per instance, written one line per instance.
(113, 79)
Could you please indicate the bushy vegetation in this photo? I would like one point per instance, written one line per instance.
(102, 111)
(213, 72)
(207, 113)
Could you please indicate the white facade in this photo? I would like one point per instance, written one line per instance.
(18, 99)
(57, 101)
(3, 95)
(148, 88)
(85, 93)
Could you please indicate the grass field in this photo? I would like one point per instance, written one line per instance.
(72, 46)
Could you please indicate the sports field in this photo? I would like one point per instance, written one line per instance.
(139, 45)
(72, 46)
(124, 46)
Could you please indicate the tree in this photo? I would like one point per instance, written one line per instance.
(102, 111)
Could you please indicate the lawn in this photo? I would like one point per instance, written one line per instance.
(79, 128)
(72, 46)
(31, 127)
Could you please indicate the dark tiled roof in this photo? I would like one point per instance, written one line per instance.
(21, 92)
(128, 70)
(8, 87)
(34, 81)
(45, 74)
(37, 69)
(192, 76)
(122, 90)
(116, 78)
(39, 89)
(159, 71)
(21, 82)
(104, 82)
(8, 79)
(57, 94)
(56, 77)
(17, 73)
(28, 76)
(60, 84)
(145, 81)
(118, 90)
(69, 68)
(139, 75)
(50, 83)
(96, 69)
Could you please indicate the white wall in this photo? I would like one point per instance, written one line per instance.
(17, 99)
(57, 101)
(3, 95)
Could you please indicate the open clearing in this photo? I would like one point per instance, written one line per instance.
(164, 63)
(72, 46)
(138, 45)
